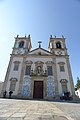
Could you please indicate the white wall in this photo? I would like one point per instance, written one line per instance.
(62, 75)
(38, 59)
(1, 85)
(78, 92)
(15, 74)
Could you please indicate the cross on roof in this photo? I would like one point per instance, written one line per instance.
(39, 44)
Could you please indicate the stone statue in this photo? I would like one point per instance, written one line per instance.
(50, 36)
(25, 35)
(62, 36)
(29, 36)
(17, 36)
(39, 69)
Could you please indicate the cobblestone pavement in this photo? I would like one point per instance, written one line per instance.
(11, 109)
(72, 109)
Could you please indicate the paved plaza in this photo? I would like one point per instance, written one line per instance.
(11, 109)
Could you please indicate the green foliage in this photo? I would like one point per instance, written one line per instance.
(78, 83)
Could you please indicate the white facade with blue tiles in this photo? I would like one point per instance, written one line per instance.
(39, 73)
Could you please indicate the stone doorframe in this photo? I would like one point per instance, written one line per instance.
(39, 78)
(38, 90)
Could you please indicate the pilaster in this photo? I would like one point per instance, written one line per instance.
(55, 77)
(70, 75)
(21, 78)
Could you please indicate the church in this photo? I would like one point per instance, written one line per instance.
(39, 73)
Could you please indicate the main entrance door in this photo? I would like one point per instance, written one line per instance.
(38, 89)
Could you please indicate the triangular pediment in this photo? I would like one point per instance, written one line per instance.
(39, 51)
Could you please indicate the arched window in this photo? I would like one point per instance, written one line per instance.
(62, 66)
(28, 70)
(50, 72)
(16, 65)
(21, 44)
(58, 45)
(13, 84)
(64, 85)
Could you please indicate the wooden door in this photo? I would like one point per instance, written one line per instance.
(38, 89)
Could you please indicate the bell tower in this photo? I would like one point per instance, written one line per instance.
(57, 45)
(22, 45)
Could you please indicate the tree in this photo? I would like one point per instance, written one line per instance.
(78, 83)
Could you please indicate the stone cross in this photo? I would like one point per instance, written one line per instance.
(39, 44)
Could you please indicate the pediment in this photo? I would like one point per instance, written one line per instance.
(39, 51)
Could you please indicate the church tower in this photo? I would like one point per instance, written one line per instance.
(39, 73)
(57, 47)
(22, 47)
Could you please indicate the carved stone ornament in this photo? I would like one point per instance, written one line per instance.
(59, 52)
(39, 62)
(49, 62)
(63, 81)
(28, 62)
(20, 51)
(13, 79)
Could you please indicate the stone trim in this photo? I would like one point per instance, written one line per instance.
(21, 78)
(55, 77)
(17, 62)
(15, 79)
(63, 81)
(28, 62)
(49, 62)
(61, 63)
(39, 78)
(38, 62)
(70, 76)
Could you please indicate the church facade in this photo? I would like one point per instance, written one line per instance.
(39, 73)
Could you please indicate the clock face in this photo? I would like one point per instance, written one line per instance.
(20, 51)
(59, 52)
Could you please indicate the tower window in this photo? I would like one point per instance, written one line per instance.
(64, 85)
(64, 88)
(12, 85)
(16, 67)
(58, 45)
(62, 68)
(21, 44)
(49, 70)
(28, 70)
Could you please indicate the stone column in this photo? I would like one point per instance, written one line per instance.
(70, 75)
(21, 78)
(55, 78)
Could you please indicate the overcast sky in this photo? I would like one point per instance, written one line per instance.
(40, 18)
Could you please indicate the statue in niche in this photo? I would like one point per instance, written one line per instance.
(39, 70)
